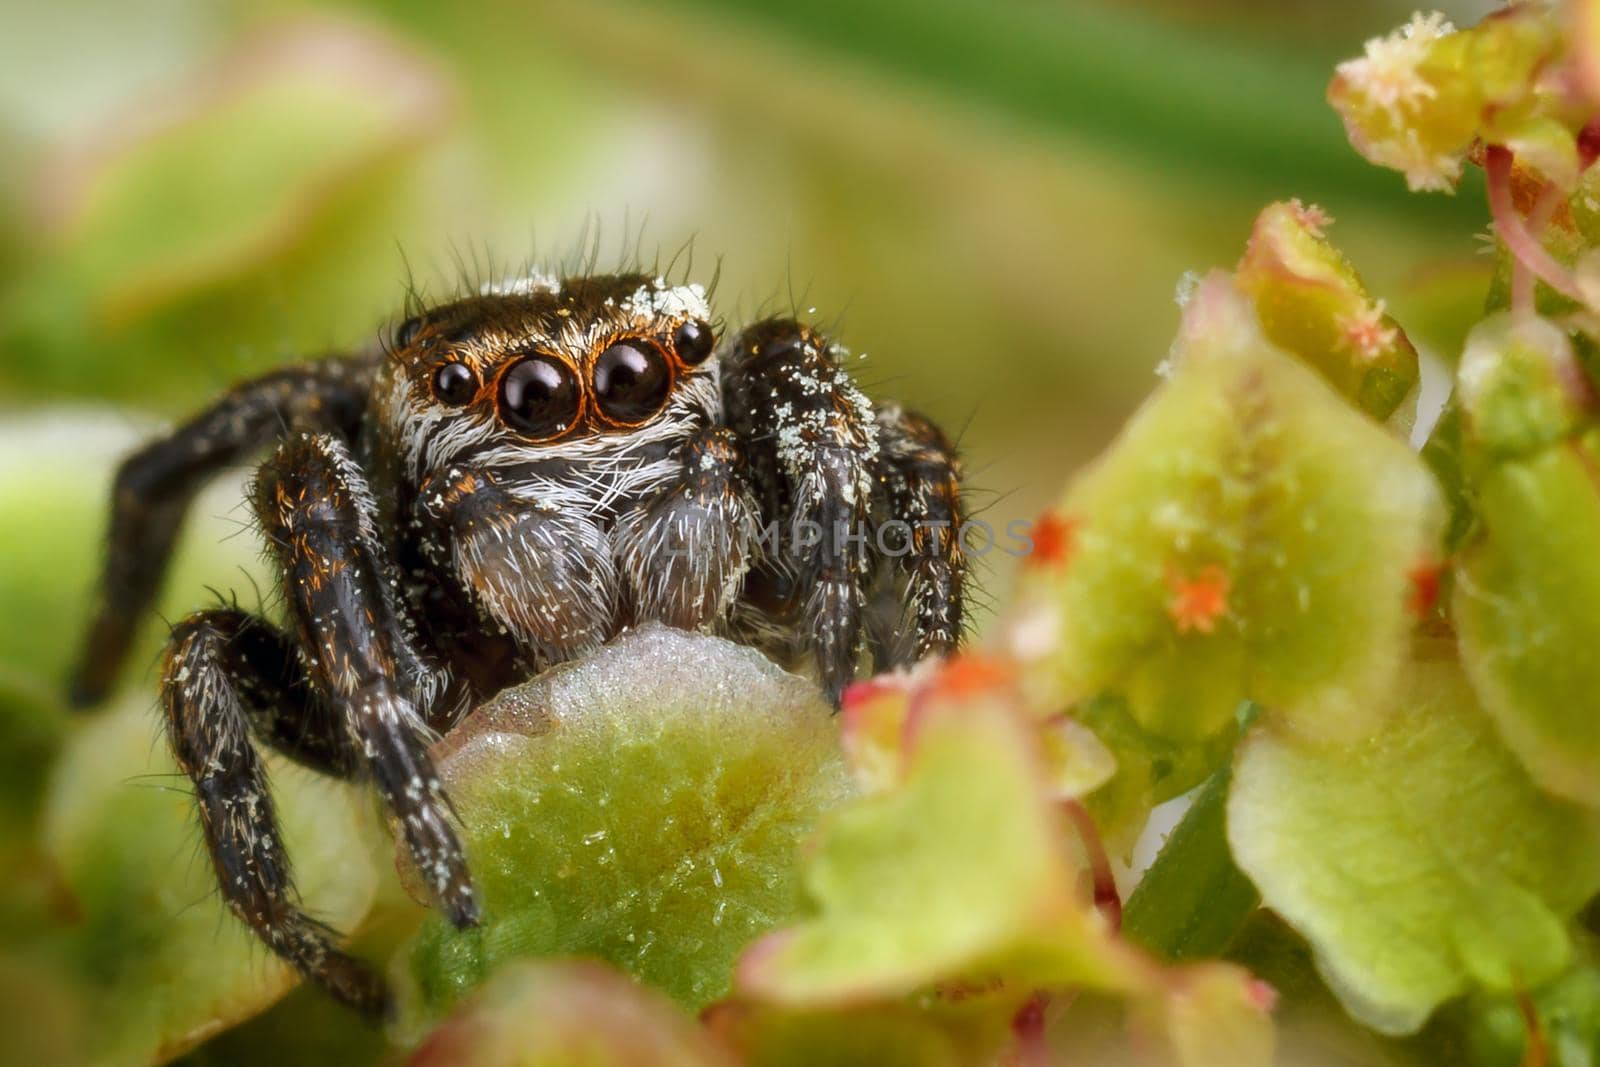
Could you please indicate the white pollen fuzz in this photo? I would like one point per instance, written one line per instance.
(660, 300)
(527, 285)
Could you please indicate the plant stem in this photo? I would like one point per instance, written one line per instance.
(1525, 248)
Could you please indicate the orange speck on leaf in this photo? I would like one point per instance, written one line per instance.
(859, 694)
(970, 674)
(1055, 540)
(1425, 578)
(1198, 602)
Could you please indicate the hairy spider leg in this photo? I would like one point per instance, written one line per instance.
(229, 676)
(154, 486)
(917, 531)
(318, 517)
(811, 440)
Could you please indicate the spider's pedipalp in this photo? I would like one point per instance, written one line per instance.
(684, 552)
(543, 575)
(219, 676)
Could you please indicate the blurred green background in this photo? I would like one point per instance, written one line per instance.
(992, 200)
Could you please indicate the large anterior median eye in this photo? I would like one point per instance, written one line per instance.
(539, 397)
(631, 381)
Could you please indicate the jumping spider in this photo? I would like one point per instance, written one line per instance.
(509, 482)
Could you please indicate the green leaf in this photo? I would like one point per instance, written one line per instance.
(1150, 770)
(1420, 862)
(1444, 453)
(1518, 386)
(1249, 535)
(168, 208)
(961, 872)
(959, 883)
(1312, 303)
(116, 891)
(55, 506)
(879, 1035)
(1527, 607)
(877, 744)
(1567, 1012)
(1193, 900)
(565, 1015)
(305, 1027)
(643, 806)
(163, 962)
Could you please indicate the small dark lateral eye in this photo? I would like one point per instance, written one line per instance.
(693, 341)
(539, 397)
(631, 381)
(407, 332)
(455, 384)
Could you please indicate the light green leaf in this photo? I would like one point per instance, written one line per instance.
(1518, 385)
(877, 745)
(960, 883)
(55, 506)
(197, 194)
(1312, 303)
(961, 872)
(249, 212)
(1527, 591)
(1420, 862)
(1527, 606)
(147, 947)
(1249, 535)
(644, 806)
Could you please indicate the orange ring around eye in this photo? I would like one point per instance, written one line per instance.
(539, 396)
(454, 383)
(631, 381)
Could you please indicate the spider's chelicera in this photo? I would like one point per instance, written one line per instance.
(512, 480)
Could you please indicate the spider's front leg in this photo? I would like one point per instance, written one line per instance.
(318, 517)
(811, 438)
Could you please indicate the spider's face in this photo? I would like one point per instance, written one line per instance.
(539, 369)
